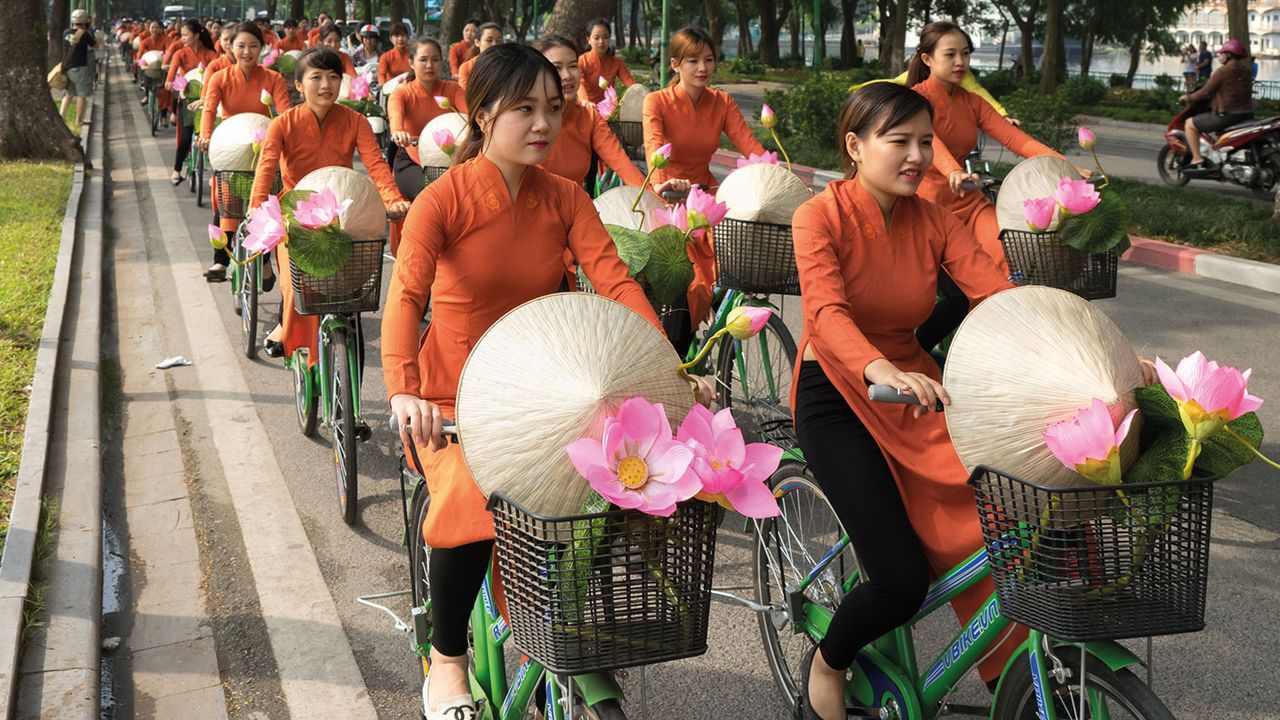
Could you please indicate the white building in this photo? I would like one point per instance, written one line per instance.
(1208, 23)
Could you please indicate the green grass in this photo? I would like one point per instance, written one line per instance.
(31, 208)
(1130, 114)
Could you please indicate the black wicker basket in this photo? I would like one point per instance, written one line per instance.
(356, 288)
(631, 136)
(233, 189)
(1091, 564)
(1043, 259)
(431, 173)
(755, 257)
(609, 590)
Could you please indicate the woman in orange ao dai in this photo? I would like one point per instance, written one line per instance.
(599, 61)
(413, 105)
(485, 237)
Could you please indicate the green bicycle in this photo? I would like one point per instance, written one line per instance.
(196, 160)
(151, 86)
(246, 286)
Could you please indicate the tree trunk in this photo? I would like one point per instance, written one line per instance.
(29, 122)
(569, 18)
(848, 33)
(715, 21)
(745, 48)
(57, 25)
(893, 46)
(297, 9)
(635, 24)
(339, 10)
(1051, 69)
(395, 10)
(770, 28)
(1238, 20)
(1004, 38)
(793, 27)
(1135, 57)
(452, 18)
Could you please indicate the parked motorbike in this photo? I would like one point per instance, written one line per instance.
(1247, 154)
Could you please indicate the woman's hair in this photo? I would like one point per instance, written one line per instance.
(547, 42)
(488, 26)
(249, 28)
(930, 36)
(330, 29)
(398, 29)
(200, 31)
(503, 77)
(472, 21)
(417, 43)
(875, 109)
(598, 22)
(318, 59)
(687, 43)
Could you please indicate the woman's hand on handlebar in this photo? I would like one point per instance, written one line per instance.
(419, 419)
(704, 389)
(202, 143)
(1013, 121)
(958, 178)
(1085, 173)
(401, 138)
(928, 390)
(398, 209)
(1149, 374)
(675, 186)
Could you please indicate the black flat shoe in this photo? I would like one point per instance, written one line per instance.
(269, 282)
(177, 181)
(273, 348)
(216, 274)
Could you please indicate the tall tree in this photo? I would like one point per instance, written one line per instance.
(893, 35)
(29, 123)
(793, 25)
(340, 10)
(634, 38)
(1025, 14)
(395, 9)
(715, 21)
(452, 19)
(772, 15)
(297, 9)
(1053, 70)
(848, 32)
(744, 10)
(569, 18)
(1238, 20)
(59, 16)
(366, 11)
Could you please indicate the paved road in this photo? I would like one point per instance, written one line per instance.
(1214, 674)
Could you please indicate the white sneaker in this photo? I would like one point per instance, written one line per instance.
(461, 707)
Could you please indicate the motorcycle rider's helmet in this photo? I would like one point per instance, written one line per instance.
(1234, 48)
(369, 31)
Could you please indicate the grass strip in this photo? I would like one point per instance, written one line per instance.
(32, 204)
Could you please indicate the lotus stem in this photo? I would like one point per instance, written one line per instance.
(1105, 180)
(1249, 445)
(702, 354)
(636, 203)
(781, 149)
(1192, 453)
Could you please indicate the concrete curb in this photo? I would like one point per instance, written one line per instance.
(83, 218)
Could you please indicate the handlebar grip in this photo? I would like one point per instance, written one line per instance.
(890, 394)
(449, 429)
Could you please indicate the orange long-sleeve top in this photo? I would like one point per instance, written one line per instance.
(865, 287)
(313, 37)
(269, 38)
(458, 54)
(171, 49)
(464, 72)
(693, 131)
(186, 60)
(291, 41)
(477, 253)
(412, 106)
(392, 63)
(348, 67)
(582, 132)
(152, 42)
(595, 66)
(236, 92)
(219, 63)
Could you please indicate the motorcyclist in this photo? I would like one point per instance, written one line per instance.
(1230, 95)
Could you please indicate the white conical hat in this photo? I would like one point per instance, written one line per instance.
(763, 192)
(631, 104)
(1032, 178)
(547, 374)
(366, 218)
(151, 59)
(231, 145)
(1024, 359)
(614, 207)
(429, 152)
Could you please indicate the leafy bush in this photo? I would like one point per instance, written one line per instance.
(1123, 96)
(1162, 98)
(1048, 118)
(1081, 90)
(809, 109)
(866, 73)
(999, 83)
(1165, 80)
(749, 65)
(1119, 81)
(635, 56)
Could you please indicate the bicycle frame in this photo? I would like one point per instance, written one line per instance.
(725, 300)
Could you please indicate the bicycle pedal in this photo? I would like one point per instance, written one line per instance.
(363, 431)
(865, 712)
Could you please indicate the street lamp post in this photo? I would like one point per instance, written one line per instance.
(664, 63)
(817, 35)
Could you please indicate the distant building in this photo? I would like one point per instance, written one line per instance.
(1208, 23)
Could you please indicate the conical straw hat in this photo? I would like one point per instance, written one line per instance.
(231, 145)
(366, 218)
(1035, 177)
(429, 151)
(1026, 358)
(547, 374)
(614, 207)
(763, 193)
(631, 104)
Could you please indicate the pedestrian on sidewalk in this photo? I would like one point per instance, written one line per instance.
(76, 64)
(1189, 71)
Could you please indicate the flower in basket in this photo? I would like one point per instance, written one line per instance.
(1086, 138)
(270, 59)
(265, 227)
(637, 464)
(746, 321)
(764, 158)
(312, 219)
(1090, 442)
(445, 140)
(767, 117)
(259, 136)
(732, 473)
(1208, 395)
(1076, 197)
(602, 83)
(320, 210)
(608, 107)
(660, 158)
(443, 102)
(359, 88)
(180, 83)
(1039, 212)
(703, 211)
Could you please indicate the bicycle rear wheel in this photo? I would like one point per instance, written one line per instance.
(304, 393)
(153, 111)
(787, 548)
(342, 425)
(419, 580)
(1111, 694)
(753, 377)
(248, 292)
(199, 178)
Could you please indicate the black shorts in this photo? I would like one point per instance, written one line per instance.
(1212, 122)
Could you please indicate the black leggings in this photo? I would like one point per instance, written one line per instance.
(455, 575)
(185, 133)
(408, 175)
(850, 469)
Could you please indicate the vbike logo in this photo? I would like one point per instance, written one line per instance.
(1037, 682)
(977, 627)
(487, 598)
(521, 671)
(499, 628)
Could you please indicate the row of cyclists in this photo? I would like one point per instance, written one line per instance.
(492, 232)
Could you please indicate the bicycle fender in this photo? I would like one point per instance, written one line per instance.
(597, 687)
(1112, 654)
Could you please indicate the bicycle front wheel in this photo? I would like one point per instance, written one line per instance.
(787, 549)
(419, 562)
(342, 426)
(249, 307)
(153, 111)
(753, 377)
(1111, 694)
(304, 393)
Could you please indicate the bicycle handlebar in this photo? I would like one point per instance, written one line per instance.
(890, 394)
(982, 184)
(450, 428)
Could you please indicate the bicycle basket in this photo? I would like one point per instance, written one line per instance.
(608, 590)
(1091, 564)
(755, 257)
(233, 188)
(355, 288)
(631, 136)
(1043, 259)
(431, 173)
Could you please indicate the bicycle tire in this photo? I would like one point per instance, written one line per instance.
(342, 426)
(304, 394)
(199, 179)
(153, 111)
(605, 710)
(419, 561)
(1016, 699)
(763, 416)
(249, 308)
(794, 485)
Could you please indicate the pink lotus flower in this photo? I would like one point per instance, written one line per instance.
(259, 136)
(1090, 442)
(609, 105)
(320, 210)
(602, 82)
(746, 321)
(674, 216)
(141, 63)
(660, 157)
(1038, 212)
(270, 59)
(359, 88)
(200, 67)
(444, 140)
(767, 117)
(637, 464)
(217, 238)
(265, 229)
(1076, 197)
(703, 210)
(764, 158)
(1086, 138)
(443, 102)
(732, 473)
(180, 83)
(1208, 395)
(265, 98)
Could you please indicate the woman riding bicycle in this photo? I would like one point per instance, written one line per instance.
(413, 105)
(318, 133)
(462, 50)
(487, 236)
(1230, 94)
(236, 89)
(197, 51)
(395, 61)
(490, 36)
(599, 61)
(330, 37)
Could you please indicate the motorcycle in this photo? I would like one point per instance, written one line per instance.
(1247, 154)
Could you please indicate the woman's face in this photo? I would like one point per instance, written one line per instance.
(489, 38)
(333, 41)
(894, 162)
(228, 40)
(188, 37)
(154, 28)
(320, 87)
(370, 43)
(949, 60)
(523, 134)
(696, 70)
(426, 63)
(599, 39)
(566, 64)
(246, 49)
(469, 32)
(400, 41)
